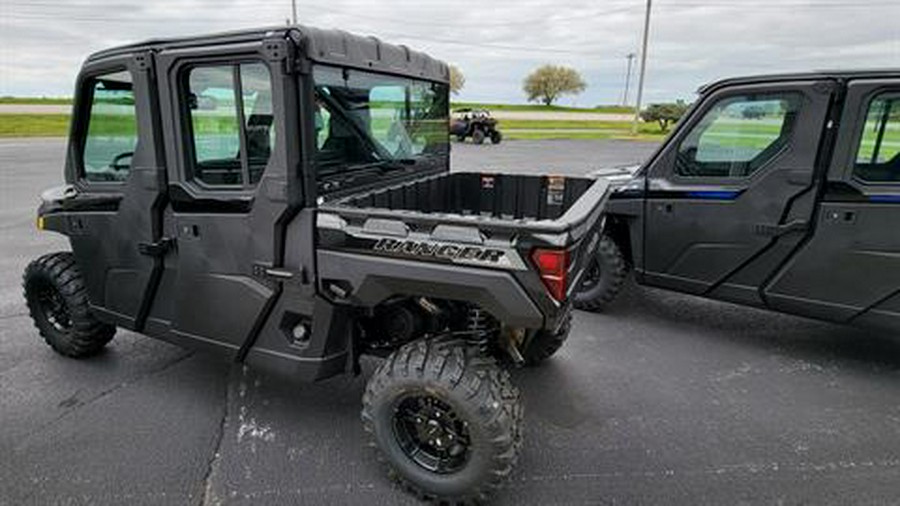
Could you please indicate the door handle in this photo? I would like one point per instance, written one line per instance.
(157, 249)
(768, 230)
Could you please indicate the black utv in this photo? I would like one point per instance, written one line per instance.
(475, 123)
(284, 197)
(781, 192)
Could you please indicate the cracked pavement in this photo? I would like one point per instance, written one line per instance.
(664, 399)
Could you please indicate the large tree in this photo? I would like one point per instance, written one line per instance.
(547, 83)
(457, 80)
(664, 114)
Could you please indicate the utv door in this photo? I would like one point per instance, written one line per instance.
(731, 194)
(114, 163)
(849, 270)
(232, 195)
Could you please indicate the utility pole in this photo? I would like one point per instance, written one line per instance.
(640, 92)
(294, 12)
(630, 57)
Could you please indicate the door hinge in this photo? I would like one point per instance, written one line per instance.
(767, 230)
(157, 249)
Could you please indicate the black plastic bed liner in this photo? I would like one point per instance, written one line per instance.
(503, 196)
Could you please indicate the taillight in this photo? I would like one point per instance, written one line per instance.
(553, 266)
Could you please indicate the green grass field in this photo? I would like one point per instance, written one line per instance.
(57, 125)
(36, 100)
(516, 124)
(624, 134)
(610, 109)
(34, 125)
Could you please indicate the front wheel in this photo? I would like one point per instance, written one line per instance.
(496, 137)
(604, 278)
(58, 303)
(478, 136)
(446, 418)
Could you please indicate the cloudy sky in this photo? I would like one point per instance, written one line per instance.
(495, 42)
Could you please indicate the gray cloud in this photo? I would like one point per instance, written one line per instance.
(495, 43)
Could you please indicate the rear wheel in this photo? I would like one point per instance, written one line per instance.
(496, 137)
(478, 136)
(461, 137)
(604, 279)
(58, 303)
(446, 418)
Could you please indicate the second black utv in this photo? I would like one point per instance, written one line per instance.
(475, 123)
(780, 192)
(284, 197)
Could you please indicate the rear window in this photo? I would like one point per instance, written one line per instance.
(878, 156)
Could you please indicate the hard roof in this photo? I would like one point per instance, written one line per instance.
(803, 76)
(335, 47)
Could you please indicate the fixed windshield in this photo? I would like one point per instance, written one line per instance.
(366, 120)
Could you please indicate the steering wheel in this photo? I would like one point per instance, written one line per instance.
(116, 165)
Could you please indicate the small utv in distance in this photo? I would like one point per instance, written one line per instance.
(475, 123)
(780, 192)
(284, 197)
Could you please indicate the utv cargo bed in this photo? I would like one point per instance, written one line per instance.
(488, 220)
(494, 201)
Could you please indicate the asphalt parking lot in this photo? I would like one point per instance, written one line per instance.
(663, 399)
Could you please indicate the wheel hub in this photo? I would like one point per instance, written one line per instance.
(431, 434)
(54, 307)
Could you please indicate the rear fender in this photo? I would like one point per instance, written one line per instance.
(368, 280)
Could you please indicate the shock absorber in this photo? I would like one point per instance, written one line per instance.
(478, 327)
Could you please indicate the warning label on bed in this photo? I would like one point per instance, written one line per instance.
(556, 190)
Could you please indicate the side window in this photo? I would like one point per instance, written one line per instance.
(878, 157)
(738, 136)
(111, 129)
(232, 124)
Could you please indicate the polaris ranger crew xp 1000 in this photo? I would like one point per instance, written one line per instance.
(780, 192)
(284, 196)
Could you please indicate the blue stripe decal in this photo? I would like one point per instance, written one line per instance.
(714, 195)
(884, 198)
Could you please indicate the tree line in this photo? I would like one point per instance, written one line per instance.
(548, 83)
